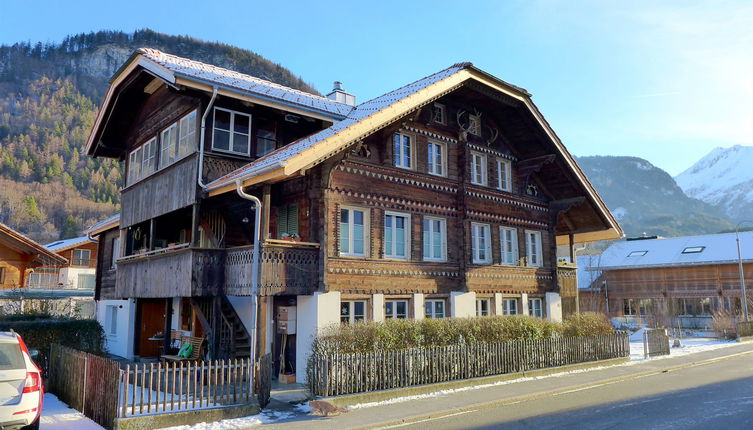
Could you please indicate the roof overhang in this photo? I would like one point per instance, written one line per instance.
(25, 245)
(103, 226)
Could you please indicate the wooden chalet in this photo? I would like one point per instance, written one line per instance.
(20, 255)
(444, 198)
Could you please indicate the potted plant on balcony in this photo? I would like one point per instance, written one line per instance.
(291, 237)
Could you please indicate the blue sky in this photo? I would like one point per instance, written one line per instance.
(659, 80)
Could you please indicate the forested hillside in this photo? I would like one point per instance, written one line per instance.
(49, 94)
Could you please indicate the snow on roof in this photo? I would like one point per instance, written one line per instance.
(678, 251)
(361, 112)
(61, 245)
(103, 225)
(196, 70)
(587, 275)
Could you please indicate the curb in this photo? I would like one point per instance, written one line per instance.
(533, 396)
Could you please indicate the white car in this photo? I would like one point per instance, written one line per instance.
(21, 390)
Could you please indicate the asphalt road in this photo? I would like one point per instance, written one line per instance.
(715, 396)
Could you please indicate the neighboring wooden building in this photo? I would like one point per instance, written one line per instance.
(446, 197)
(79, 273)
(19, 255)
(672, 281)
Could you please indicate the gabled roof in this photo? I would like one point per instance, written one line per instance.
(25, 245)
(62, 245)
(104, 225)
(708, 249)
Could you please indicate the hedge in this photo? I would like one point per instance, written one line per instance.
(39, 334)
(401, 334)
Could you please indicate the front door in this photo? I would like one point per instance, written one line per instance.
(151, 322)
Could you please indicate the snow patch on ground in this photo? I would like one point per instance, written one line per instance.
(56, 415)
(266, 416)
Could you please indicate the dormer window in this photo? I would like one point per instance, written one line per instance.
(438, 113)
(474, 125)
(637, 253)
(693, 249)
(232, 132)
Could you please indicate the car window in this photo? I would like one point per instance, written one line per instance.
(10, 356)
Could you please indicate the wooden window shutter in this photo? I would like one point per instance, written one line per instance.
(287, 220)
(293, 220)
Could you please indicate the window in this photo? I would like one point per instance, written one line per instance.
(115, 252)
(81, 257)
(111, 319)
(474, 124)
(187, 135)
(353, 232)
(533, 248)
(287, 221)
(504, 175)
(434, 309)
(478, 168)
(482, 307)
(40, 279)
(232, 132)
(637, 253)
(402, 151)
(134, 165)
(169, 146)
(694, 306)
(437, 159)
(396, 235)
(509, 306)
(438, 113)
(266, 137)
(534, 308)
(693, 249)
(396, 309)
(148, 158)
(435, 239)
(481, 243)
(509, 245)
(86, 281)
(352, 311)
(2, 275)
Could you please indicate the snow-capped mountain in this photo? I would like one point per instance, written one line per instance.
(723, 178)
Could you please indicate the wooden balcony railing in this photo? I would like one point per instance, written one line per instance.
(286, 267)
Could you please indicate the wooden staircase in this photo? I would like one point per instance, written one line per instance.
(227, 337)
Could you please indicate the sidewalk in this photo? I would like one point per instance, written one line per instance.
(410, 409)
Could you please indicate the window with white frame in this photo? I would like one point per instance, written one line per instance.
(232, 132)
(481, 243)
(434, 308)
(396, 235)
(149, 158)
(474, 124)
(438, 113)
(533, 249)
(186, 135)
(509, 306)
(483, 307)
(86, 281)
(38, 279)
(81, 257)
(115, 252)
(396, 309)
(534, 308)
(402, 150)
(478, 168)
(353, 232)
(504, 174)
(508, 241)
(111, 319)
(134, 165)
(435, 239)
(169, 141)
(437, 159)
(352, 311)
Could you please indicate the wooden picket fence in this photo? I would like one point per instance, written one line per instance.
(86, 382)
(744, 329)
(655, 342)
(331, 374)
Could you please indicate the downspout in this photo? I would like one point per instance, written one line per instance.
(200, 178)
(254, 267)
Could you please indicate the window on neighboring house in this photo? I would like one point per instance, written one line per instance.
(478, 169)
(637, 253)
(509, 306)
(352, 311)
(353, 239)
(481, 243)
(509, 245)
(186, 135)
(81, 257)
(396, 309)
(111, 322)
(115, 252)
(628, 307)
(169, 146)
(483, 307)
(504, 175)
(232, 132)
(41, 279)
(435, 239)
(396, 235)
(534, 308)
(266, 136)
(149, 158)
(287, 221)
(134, 165)
(474, 124)
(434, 308)
(438, 113)
(693, 249)
(437, 159)
(86, 281)
(533, 249)
(402, 151)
